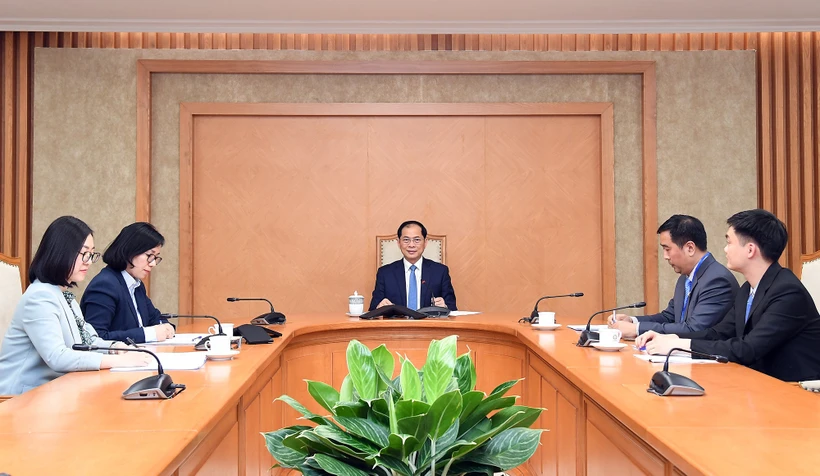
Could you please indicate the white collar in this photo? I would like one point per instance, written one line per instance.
(131, 282)
(407, 264)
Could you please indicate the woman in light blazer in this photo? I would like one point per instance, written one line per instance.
(47, 322)
(115, 302)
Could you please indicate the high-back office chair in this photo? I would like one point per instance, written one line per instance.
(387, 247)
(810, 275)
(11, 288)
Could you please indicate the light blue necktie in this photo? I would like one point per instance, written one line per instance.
(749, 306)
(687, 289)
(413, 292)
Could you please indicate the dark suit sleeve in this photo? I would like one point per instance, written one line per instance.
(154, 316)
(667, 315)
(378, 291)
(710, 306)
(447, 291)
(782, 318)
(99, 305)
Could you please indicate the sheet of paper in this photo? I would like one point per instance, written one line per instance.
(594, 327)
(463, 313)
(181, 339)
(170, 361)
(675, 359)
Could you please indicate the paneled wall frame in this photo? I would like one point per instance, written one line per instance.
(788, 98)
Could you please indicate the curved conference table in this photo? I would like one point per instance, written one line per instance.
(600, 418)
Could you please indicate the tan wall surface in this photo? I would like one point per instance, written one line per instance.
(706, 133)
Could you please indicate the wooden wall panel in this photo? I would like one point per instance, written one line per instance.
(788, 115)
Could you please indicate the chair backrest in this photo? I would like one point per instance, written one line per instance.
(11, 288)
(810, 275)
(387, 248)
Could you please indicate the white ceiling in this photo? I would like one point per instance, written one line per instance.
(414, 16)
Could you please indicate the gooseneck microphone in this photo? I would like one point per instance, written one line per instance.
(271, 317)
(194, 316)
(159, 386)
(666, 383)
(533, 319)
(588, 336)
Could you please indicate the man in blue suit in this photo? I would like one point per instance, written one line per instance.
(413, 281)
(705, 290)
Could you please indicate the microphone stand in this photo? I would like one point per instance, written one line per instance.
(666, 383)
(159, 386)
(533, 319)
(201, 344)
(265, 319)
(587, 336)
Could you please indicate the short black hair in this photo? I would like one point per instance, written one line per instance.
(409, 223)
(133, 240)
(684, 228)
(54, 260)
(764, 229)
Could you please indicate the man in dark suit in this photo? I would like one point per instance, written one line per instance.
(413, 281)
(705, 290)
(774, 326)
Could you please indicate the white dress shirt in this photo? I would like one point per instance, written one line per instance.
(133, 283)
(407, 265)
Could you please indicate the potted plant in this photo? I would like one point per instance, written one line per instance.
(430, 422)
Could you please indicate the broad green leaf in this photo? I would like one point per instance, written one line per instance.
(401, 446)
(443, 413)
(465, 373)
(443, 445)
(439, 367)
(486, 430)
(391, 412)
(362, 446)
(307, 414)
(417, 426)
(384, 360)
(408, 408)
(319, 445)
(469, 402)
(346, 392)
(508, 449)
(484, 408)
(324, 394)
(473, 469)
(379, 412)
(351, 409)
(394, 464)
(362, 370)
(370, 430)
(336, 467)
(410, 382)
(286, 456)
(500, 390)
(336, 448)
(385, 382)
(523, 416)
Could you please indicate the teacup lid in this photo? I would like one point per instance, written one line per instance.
(356, 295)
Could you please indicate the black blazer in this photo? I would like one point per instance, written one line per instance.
(782, 336)
(435, 281)
(107, 305)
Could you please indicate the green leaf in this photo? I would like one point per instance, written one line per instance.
(362, 370)
(363, 447)
(522, 416)
(384, 361)
(346, 392)
(508, 449)
(443, 413)
(393, 464)
(410, 382)
(439, 367)
(324, 394)
(500, 390)
(351, 409)
(379, 412)
(391, 413)
(484, 408)
(473, 469)
(401, 446)
(486, 430)
(367, 429)
(465, 373)
(286, 456)
(469, 402)
(408, 408)
(336, 467)
(412, 418)
(307, 414)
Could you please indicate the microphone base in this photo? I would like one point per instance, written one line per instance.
(670, 384)
(269, 318)
(155, 387)
(587, 337)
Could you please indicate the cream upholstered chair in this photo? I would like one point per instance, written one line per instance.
(387, 247)
(810, 275)
(11, 288)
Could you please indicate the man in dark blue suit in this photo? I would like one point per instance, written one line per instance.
(413, 281)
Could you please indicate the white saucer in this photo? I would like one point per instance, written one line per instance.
(221, 355)
(545, 327)
(609, 347)
(353, 315)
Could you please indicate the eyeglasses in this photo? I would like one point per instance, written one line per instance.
(89, 256)
(152, 258)
(407, 240)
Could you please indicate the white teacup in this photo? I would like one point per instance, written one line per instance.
(219, 344)
(227, 329)
(609, 336)
(546, 318)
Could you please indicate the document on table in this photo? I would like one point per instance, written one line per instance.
(463, 313)
(593, 327)
(675, 359)
(170, 361)
(181, 339)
